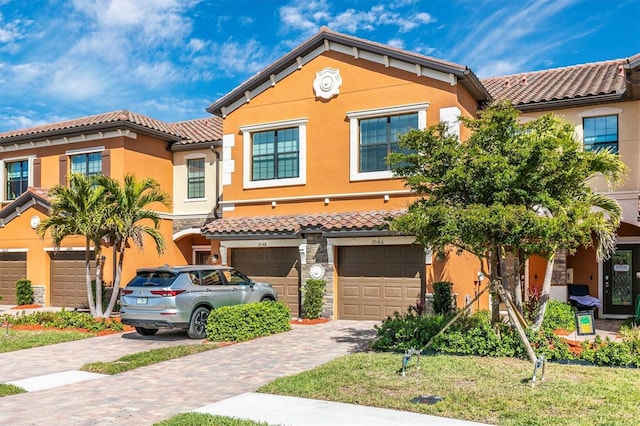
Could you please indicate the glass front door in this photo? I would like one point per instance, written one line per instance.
(621, 280)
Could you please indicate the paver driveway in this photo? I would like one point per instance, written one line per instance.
(157, 392)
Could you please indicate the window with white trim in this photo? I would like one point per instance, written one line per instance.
(600, 133)
(379, 137)
(195, 178)
(16, 174)
(374, 134)
(274, 153)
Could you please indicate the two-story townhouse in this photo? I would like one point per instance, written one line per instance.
(602, 100)
(180, 156)
(306, 184)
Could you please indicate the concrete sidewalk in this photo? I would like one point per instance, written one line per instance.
(292, 411)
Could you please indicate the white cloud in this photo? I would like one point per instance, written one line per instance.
(309, 16)
(196, 44)
(398, 43)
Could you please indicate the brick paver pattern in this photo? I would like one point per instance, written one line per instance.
(147, 395)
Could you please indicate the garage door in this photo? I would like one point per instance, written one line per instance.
(376, 281)
(13, 266)
(68, 282)
(277, 266)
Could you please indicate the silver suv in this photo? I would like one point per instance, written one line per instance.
(183, 296)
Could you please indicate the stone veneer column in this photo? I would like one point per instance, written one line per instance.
(316, 253)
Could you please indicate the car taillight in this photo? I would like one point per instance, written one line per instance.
(167, 293)
(126, 291)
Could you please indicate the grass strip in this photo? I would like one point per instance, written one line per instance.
(141, 359)
(201, 419)
(6, 390)
(482, 389)
(16, 340)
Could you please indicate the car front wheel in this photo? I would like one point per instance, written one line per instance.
(146, 331)
(198, 323)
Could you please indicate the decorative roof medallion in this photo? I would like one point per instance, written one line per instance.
(327, 83)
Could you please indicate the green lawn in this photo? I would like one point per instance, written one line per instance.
(141, 359)
(16, 340)
(192, 419)
(488, 390)
(6, 390)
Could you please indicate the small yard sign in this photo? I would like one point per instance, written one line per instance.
(585, 323)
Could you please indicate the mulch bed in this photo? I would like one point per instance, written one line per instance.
(27, 307)
(306, 321)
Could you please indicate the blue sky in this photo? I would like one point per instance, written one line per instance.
(169, 59)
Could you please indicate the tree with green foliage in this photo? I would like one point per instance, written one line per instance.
(78, 210)
(512, 188)
(106, 213)
(129, 218)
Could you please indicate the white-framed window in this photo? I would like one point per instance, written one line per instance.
(17, 177)
(373, 134)
(195, 178)
(275, 153)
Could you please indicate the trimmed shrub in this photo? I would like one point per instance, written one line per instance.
(313, 292)
(442, 297)
(407, 331)
(238, 323)
(606, 352)
(64, 319)
(559, 315)
(24, 292)
(468, 335)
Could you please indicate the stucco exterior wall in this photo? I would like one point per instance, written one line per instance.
(365, 85)
(182, 205)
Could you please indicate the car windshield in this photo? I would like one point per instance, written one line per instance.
(153, 279)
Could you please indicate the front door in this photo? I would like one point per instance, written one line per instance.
(621, 280)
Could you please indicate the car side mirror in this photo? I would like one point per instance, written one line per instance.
(252, 283)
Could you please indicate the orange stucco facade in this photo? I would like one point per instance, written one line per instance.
(144, 156)
(328, 186)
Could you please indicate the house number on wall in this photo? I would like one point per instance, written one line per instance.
(377, 242)
(262, 244)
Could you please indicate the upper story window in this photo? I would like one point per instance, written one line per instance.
(379, 137)
(195, 178)
(274, 153)
(16, 178)
(601, 133)
(374, 135)
(87, 163)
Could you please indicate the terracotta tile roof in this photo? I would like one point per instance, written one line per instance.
(200, 130)
(580, 81)
(42, 193)
(186, 132)
(292, 224)
(114, 117)
(32, 197)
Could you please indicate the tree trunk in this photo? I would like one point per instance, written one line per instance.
(87, 272)
(544, 297)
(494, 277)
(99, 270)
(116, 281)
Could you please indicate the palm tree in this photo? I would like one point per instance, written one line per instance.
(78, 210)
(605, 217)
(129, 219)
